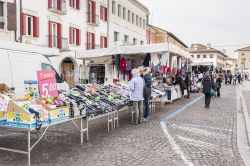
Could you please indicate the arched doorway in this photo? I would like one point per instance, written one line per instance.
(68, 71)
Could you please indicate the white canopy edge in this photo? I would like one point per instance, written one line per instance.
(28, 48)
(132, 49)
(202, 63)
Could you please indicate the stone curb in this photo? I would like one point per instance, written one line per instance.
(245, 113)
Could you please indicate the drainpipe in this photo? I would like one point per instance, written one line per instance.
(21, 20)
(108, 24)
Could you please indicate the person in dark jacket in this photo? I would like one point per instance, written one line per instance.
(147, 91)
(207, 85)
(179, 80)
(218, 85)
(188, 83)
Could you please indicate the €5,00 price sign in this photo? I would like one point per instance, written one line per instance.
(47, 83)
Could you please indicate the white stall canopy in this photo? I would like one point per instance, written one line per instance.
(49, 52)
(132, 49)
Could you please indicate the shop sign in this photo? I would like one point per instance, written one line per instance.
(47, 83)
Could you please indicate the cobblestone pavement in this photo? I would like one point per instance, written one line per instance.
(197, 136)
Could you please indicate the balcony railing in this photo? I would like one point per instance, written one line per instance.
(54, 41)
(93, 19)
(58, 7)
(90, 46)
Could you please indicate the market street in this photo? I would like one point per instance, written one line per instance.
(179, 134)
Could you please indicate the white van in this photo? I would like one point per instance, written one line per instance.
(20, 62)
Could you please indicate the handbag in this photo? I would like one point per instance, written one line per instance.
(212, 92)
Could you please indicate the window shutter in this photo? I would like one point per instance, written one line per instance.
(106, 14)
(78, 37)
(50, 34)
(59, 5)
(70, 36)
(87, 41)
(101, 12)
(93, 12)
(93, 40)
(36, 26)
(59, 35)
(49, 4)
(101, 42)
(78, 4)
(105, 42)
(71, 3)
(23, 24)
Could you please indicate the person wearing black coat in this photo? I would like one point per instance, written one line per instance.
(218, 85)
(179, 80)
(188, 84)
(207, 83)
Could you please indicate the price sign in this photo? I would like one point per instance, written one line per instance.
(47, 83)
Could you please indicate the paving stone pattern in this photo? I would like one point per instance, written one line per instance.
(206, 137)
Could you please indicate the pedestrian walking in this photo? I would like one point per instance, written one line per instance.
(239, 78)
(136, 86)
(218, 84)
(147, 92)
(188, 83)
(208, 85)
(234, 79)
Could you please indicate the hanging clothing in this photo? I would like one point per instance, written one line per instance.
(146, 60)
(123, 64)
(128, 65)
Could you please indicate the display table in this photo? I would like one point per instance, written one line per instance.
(175, 94)
(45, 129)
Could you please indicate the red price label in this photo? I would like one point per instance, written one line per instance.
(47, 83)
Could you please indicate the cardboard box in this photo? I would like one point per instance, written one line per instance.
(20, 117)
(3, 118)
(56, 114)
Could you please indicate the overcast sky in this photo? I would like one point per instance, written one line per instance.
(219, 22)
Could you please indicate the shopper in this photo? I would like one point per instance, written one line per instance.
(136, 86)
(239, 78)
(218, 85)
(230, 78)
(188, 83)
(234, 79)
(147, 91)
(179, 80)
(207, 86)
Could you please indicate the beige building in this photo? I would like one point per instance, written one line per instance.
(243, 58)
(206, 54)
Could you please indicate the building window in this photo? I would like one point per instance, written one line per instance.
(103, 42)
(119, 10)
(211, 56)
(75, 4)
(113, 7)
(104, 13)
(142, 42)
(30, 25)
(198, 56)
(133, 18)
(140, 22)
(192, 55)
(129, 16)
(137, 20)
(74, 36)
(116, 36)
(144, 24)
(1, 16)
(242, 54)
(90, 44)
(135, 41)
(204, 56)
(124, 13)
(126, 38)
